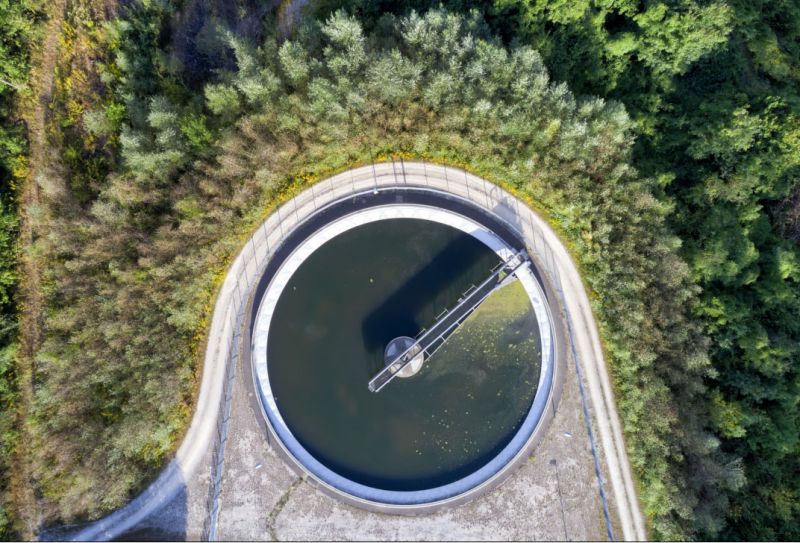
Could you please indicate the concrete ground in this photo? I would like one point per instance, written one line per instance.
(553, 496)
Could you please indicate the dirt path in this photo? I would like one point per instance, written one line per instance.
(35, 113)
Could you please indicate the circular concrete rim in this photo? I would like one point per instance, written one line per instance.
(494, 472)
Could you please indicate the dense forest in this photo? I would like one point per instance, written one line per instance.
(661, 139)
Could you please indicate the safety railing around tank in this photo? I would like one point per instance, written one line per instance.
(252, 261)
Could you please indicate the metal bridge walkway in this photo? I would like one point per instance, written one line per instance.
(430, 340)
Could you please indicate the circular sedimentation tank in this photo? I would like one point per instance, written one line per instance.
(349, 289)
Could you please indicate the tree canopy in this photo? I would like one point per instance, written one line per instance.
(136, 266)
(661, 138)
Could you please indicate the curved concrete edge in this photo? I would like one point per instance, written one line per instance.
(586, 339)
(198, 438)
(499, 467)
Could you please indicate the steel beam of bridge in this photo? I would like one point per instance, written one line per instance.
(431, 339)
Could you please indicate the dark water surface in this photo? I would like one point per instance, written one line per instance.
(327, 338)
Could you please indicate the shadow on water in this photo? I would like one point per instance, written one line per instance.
(434, 287)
